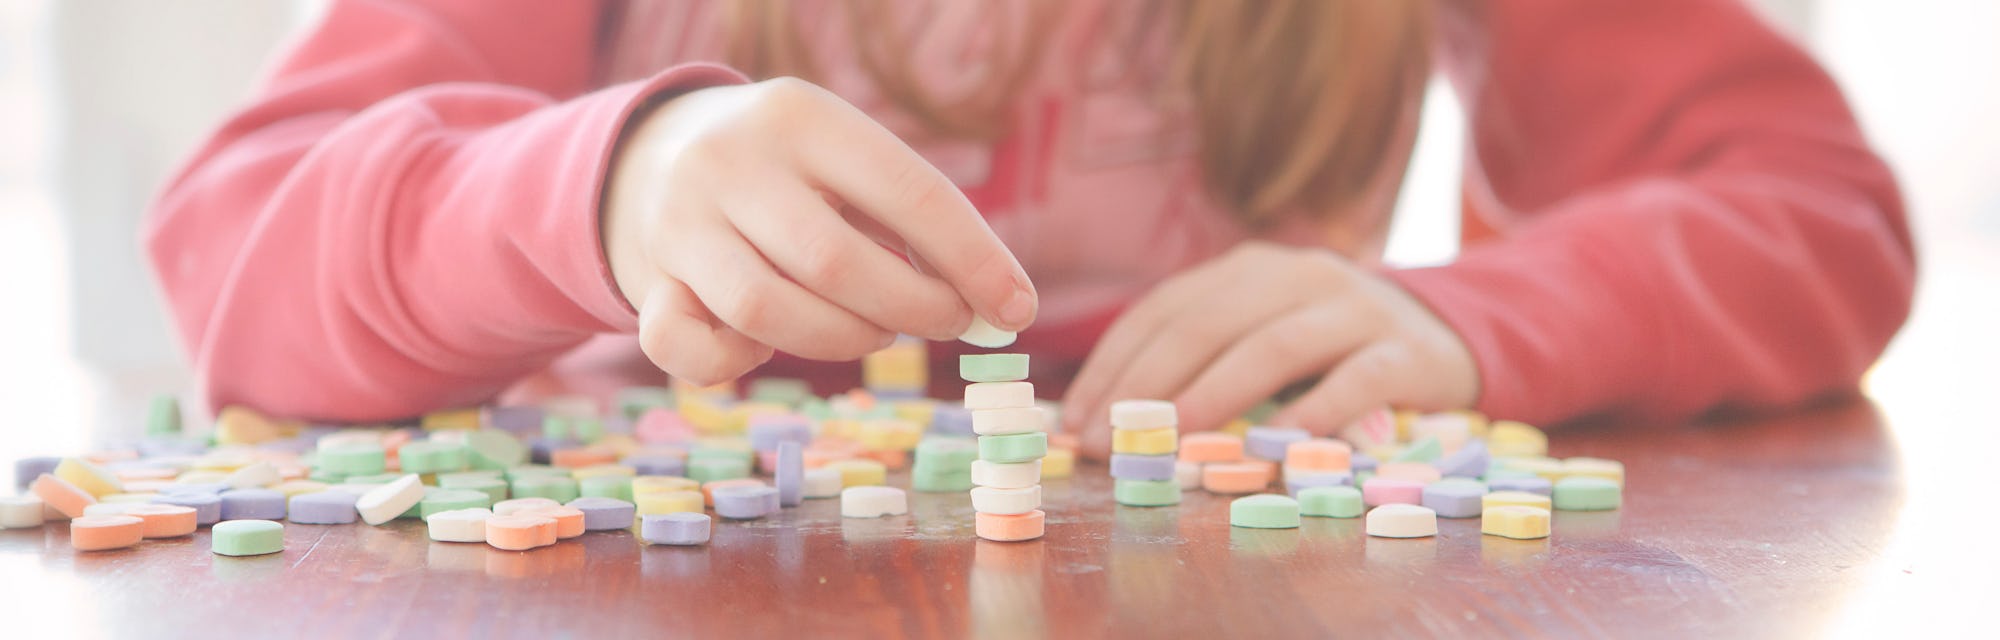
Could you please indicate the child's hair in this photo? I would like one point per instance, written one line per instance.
(1297, 103)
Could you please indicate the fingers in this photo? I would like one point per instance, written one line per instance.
(873, 171)
(1131, 333)
(748, 294)
(1297, 345)
(1373, 376)
(796, 230)
(1191, 340)
(1107, 363)
(677, 333)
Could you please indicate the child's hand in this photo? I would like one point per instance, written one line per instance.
(746, 218)
(1228, 334)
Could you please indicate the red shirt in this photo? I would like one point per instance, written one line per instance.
(1676, 211)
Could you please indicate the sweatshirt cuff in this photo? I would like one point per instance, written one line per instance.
(588, 277)
(1554, 337)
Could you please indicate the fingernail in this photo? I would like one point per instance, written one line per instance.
(1019, 311)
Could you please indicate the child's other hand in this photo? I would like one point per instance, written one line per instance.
(1230, 333)
(746, 218)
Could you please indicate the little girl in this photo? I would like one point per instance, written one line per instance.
(1669, 209)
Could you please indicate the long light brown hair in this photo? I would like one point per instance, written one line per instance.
(1298, 103)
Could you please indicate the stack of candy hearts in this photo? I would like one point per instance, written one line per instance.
(898, 372)
(1007, 501)
(944, 463)
(1145, 434)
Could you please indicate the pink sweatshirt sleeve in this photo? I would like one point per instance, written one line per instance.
(1694, 221)
(405, 216)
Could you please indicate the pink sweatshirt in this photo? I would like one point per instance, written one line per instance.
(1670, 209)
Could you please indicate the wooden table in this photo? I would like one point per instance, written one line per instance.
(1756, 528)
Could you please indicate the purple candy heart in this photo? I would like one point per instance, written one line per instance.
(1361, 462)
(1531, 485)
(253, 504)
(540, 448)
(521, 421)
(675, 528)
(768, 430)
(27, 469)
(207, 507)
(656, 465)
(791, 474)
(1455, 499)
(1269, 442)
(951, 421)
(1468, 461)
(896, 395)
(324, 507)
(1126, 466)
(1294, 482)
(745, 503)
(604, 514)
